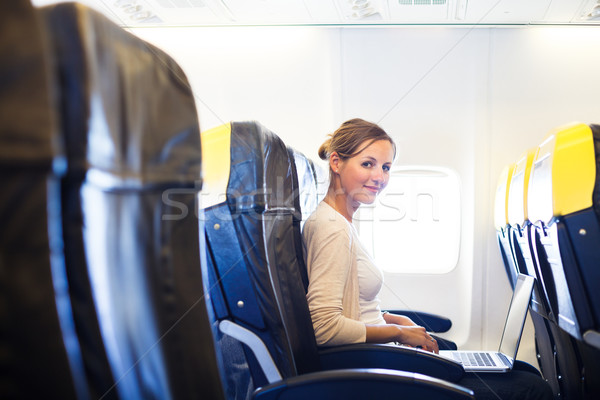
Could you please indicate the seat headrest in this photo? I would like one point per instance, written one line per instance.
(501, 199)
(255, 165)
(564, 173)
(216, 144)
(517, 213)
(133, 99)
(28, 134)
(261, 171)
(308, 198)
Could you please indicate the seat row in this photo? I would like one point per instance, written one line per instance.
(547, 218)
(125, 275)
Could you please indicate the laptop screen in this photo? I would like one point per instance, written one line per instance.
(517, 313)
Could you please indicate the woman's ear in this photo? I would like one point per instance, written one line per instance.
(334, 162)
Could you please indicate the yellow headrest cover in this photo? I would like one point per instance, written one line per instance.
(573, 170)
(517, 193)
(565, 171)
(501, 200)
(216, 163)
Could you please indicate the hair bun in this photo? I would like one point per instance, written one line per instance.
(324, 150)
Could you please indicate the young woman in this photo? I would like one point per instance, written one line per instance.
(344, 282)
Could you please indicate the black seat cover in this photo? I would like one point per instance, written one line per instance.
(260, 237)
(130, 195)
(35, 361)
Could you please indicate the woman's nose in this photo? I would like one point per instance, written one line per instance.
(377, 176)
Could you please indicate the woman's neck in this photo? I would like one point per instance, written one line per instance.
(340, 203)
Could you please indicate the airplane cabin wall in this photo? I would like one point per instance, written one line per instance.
(287, 78)
(426, 87)
(472, 99)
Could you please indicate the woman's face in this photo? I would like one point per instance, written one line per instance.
(367, 173)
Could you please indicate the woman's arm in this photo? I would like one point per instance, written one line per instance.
(398, 319)
(329, 257)
(415, 336)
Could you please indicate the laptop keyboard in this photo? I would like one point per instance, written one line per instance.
(474, 359)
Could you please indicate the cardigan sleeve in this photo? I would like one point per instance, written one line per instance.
(329, 257)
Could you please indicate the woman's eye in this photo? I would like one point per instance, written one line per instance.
(386, 168)
(366, 164)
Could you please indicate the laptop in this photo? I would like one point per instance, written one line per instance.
(503, 359)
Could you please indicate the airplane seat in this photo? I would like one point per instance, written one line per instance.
(308, 197)
(518, 219)
(40, 355)
(130, 228)
(565, 202)
(519, 241)
(251, 167)
(306, 201)
(503, 228)
(256, 288)
(504, 235)
(322, 181)
(562, 187)
(566, 356)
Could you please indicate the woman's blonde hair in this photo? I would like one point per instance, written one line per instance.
(352, 137)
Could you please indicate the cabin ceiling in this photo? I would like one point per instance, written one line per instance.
(140, 13)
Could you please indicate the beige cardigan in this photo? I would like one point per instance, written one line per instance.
(333, 292)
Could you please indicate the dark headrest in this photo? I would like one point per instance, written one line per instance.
(307, 184)
(261, 177)
(27, 128)
(36, 362)
(133, 98)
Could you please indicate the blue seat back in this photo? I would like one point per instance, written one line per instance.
(518, 233)
(252, 243)
(306, 202)
(503, 228)
(521, 231)
(562, 204)
(560, 193)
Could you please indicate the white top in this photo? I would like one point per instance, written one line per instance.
(343, 280)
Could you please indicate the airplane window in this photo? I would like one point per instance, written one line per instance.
(414, 226)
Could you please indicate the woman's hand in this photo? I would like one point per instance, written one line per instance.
(417, 336)
(414, 335)
(420, 335)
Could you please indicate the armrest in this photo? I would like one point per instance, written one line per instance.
(431, 322)
(525, 366)
(390, 357)
(362, 384)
